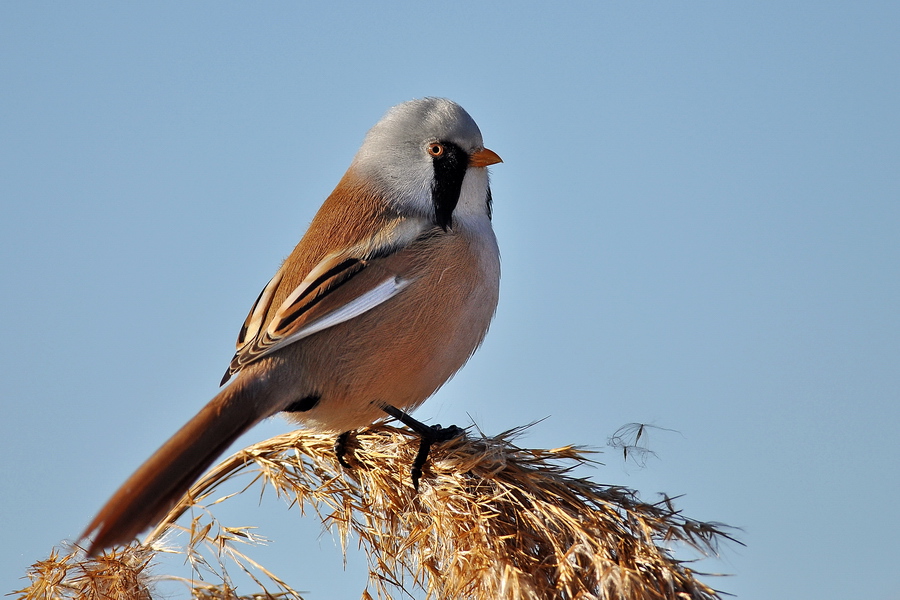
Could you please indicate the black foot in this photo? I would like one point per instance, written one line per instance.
(429, 435)
(340, 448)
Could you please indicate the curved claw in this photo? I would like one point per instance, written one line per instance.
(429, 435)
(340, 449)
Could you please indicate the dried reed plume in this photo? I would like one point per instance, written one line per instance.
(491, 520)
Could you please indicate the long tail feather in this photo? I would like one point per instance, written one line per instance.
(164, 478)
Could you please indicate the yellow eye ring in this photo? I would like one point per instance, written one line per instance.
(435, 149)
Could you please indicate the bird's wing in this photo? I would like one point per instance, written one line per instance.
(342, 286)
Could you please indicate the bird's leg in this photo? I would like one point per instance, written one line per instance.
(340, 448)
(429, 435)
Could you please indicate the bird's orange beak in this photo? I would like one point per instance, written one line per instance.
(483, 158)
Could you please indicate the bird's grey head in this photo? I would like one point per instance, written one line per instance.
(418, 154)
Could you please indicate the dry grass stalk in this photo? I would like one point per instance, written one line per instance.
(121, 573)
(491, 520)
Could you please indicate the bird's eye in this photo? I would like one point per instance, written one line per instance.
(435, 149)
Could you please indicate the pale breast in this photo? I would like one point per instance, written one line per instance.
(401, 352)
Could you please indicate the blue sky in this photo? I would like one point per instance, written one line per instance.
(698, 216)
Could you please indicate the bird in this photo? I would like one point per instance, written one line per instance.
(387, 295)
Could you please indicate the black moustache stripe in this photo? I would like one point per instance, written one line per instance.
(449, 172)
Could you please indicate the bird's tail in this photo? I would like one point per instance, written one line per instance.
(164, 478)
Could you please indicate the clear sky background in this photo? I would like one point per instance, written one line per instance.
(698, 215)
